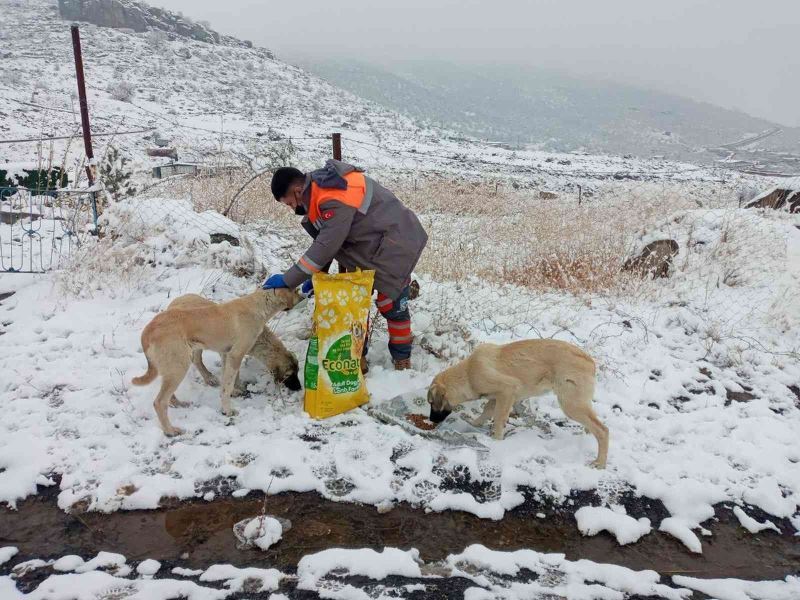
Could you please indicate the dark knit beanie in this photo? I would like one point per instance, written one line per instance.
(282, 179)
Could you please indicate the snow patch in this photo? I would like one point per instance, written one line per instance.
(7, 553)
(68, 563)
(677, 528)
(148, 567)
(235, 577)
(369, 563)
(751, 524)
(594, 519)
(103, 560)
(739, 589)
(490, 569)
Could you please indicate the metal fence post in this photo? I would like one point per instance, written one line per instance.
(337, 145)
(93, 196)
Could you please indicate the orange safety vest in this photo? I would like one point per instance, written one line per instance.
(352, 196)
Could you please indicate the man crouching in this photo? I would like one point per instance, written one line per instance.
(362, 225)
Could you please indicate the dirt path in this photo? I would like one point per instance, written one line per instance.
(200, 533)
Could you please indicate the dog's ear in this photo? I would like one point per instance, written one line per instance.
(436, 394)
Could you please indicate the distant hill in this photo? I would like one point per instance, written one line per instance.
(517, 104)
(159, 84)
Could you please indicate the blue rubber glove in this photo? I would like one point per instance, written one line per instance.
(307, 289)
(274, 281)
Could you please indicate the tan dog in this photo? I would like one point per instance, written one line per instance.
(268, 349)
(520, 370)
(230, 328)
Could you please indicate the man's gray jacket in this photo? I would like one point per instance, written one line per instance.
(382, 235)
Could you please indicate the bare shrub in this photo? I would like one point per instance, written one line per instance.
(122, 90)
(105, 267)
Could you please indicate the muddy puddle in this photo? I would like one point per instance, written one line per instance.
(199, 534)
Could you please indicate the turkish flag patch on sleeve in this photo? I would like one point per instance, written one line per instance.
(328, 214)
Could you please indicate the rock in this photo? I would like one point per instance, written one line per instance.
(734, 396)
(654, 259)
(778, 198)
(139, 17)
(545, 195)
(218, 238)
(106, 13)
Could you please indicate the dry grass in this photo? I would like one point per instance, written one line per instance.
(496, 233)
(255, 203)
(519, 238)
(105, 268)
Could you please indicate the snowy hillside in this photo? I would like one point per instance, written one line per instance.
(230, 104)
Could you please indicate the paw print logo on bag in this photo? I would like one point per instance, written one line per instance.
(327, 318)
(342, 298)
(359, 293)
(347, 320)
(325, 297)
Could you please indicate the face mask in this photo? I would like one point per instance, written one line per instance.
(300, 209)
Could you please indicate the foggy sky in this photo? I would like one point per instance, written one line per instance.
(742, 54)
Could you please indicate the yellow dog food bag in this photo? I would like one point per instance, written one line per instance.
(333, 380)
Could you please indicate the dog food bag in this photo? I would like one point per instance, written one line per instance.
(333, 380)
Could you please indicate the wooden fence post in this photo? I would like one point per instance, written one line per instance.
(337, 145)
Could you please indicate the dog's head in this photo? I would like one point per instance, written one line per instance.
(285, 372)
(437, 398)
(283, 298)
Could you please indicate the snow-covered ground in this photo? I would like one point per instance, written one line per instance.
(699, 413)
(363, 574)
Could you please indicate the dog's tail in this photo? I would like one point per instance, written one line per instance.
(148, 376)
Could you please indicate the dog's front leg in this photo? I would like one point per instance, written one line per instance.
(504, 402)
(232, 362)
(485, 415)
